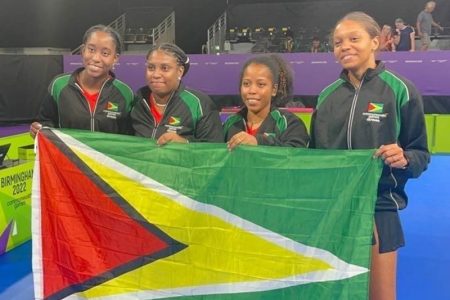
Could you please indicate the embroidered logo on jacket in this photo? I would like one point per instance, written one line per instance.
(174, 121)
(375, 112)
(112, 110)
(112, 106)
(376, 108)
(174, 124)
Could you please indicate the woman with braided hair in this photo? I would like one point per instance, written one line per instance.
(265, 84)
(166, 110)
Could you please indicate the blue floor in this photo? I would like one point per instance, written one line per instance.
(423, 263)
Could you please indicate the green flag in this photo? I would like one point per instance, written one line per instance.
(139, 220)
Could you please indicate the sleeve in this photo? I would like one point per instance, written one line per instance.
(413, 135)
(312, 141)
(48, 113)
(127, 125)
(227, 129)
(209, 126)
(420, 17)
(295, 134)
(140, 120)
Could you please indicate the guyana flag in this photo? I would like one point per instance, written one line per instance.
(118, 217)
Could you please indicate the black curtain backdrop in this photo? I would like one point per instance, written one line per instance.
(23, 84)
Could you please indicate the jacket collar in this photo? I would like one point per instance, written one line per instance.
(145, 91)
(370, 73)
(73, 77)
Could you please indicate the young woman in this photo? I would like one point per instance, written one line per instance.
(90, 98)
(370, 107)
(265, 82)
(166, 110)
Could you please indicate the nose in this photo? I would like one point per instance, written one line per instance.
(155, 73)
(345, 45)
(96, 56)
(252, 89)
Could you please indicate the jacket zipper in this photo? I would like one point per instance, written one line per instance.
(151, 116)
(92, 113)
(95, 107)
(162, 117)
(352, 114)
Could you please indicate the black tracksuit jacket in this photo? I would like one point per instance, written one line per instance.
(280, 128)
(66, 107)
(385, 109)
(189, 113)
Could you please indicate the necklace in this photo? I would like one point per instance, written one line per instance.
(156, 103)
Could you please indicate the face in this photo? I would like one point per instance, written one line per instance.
(257, 88)
(431, 6)
(163, 73)
(398, 25)
(99, 54)
(353, 46)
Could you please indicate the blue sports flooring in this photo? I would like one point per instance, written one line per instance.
(423, 264)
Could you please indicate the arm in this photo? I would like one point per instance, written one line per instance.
(419, 32)
(412, 36)
(437, 25)
(48, 114)
(312, 141)
(410, 155)
(295, 134)
(413, 135)
(419, 20)
(209, 127)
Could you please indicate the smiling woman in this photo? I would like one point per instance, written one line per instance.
(266, 82)
(371, 107)
(166, 110)
(90, 98)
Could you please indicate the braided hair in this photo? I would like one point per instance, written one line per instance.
(175, 51)
(281, 74)
(107, 29)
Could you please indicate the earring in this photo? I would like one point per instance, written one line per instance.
(179, 78)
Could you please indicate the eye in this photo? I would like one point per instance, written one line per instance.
(91, 49)
(337, 43)
(106, 53)
(261, 84)
(245, 84)
(165, 68)
(354, 39)
(150, 68)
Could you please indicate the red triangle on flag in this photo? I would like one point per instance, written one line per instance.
(89, 233)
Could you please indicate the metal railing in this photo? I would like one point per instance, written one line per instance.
(216, 35)
(118, 25)
(165, 31)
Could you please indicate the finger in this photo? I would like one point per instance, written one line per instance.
(393, 158)
(380, 151)
(400, 163)
(233, 142)
(161, 141)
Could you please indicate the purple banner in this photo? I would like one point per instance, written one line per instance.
(219, 74)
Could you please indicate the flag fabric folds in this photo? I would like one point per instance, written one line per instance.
(118, 217)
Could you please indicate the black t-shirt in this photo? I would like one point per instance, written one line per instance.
(405, 40)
